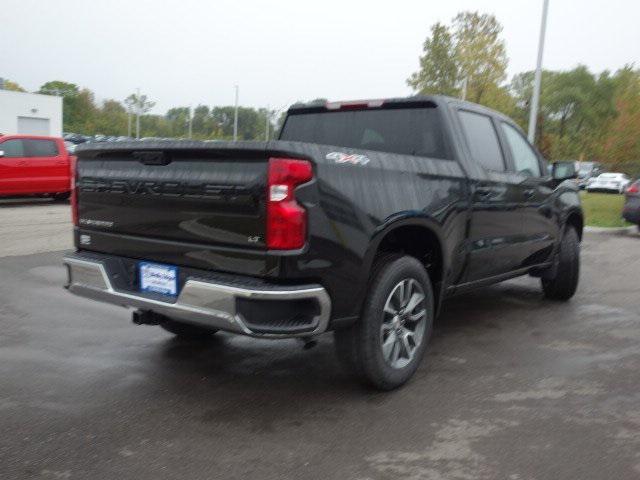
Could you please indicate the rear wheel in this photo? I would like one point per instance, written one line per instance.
(562, 285)
(187, 330)
(387, 344)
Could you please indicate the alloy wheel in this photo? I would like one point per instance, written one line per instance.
(404, 323)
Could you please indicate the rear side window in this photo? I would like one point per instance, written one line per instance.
(524, 158)
(409, 131)
(40, 148)
(12, 148)
(482, 140)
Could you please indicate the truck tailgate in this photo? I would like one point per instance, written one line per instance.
(212, 196)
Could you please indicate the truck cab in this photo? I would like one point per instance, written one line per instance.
(34, 165)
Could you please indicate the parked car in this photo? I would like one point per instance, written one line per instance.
(33, 165)
(75, 138)
(360, 219)
(70, 146)
(631, 209)
(587, 171)
(609, 182)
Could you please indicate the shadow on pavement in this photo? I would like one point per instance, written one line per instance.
(29, 201)
(284, 371)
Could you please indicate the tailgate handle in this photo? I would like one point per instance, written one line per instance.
(153, 158)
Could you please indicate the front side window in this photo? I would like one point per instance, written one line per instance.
(12, 148)
(40, 148)
(482, 140)
(524, 158)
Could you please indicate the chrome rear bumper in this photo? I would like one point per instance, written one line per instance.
(200, 302)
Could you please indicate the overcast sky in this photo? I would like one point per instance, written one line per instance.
(190, 52)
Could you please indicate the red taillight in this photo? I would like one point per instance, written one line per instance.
(74, 194)
(286, 218)
(634, 188)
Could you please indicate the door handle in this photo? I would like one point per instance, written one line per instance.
(529, 192)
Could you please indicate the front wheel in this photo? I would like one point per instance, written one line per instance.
(387, 344)
(563, 283)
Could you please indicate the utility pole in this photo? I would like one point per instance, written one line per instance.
(535, 100)
(129, 102)
(190, 122)
(138, 107)
(464, 88)
(266, 125)
(235, 118)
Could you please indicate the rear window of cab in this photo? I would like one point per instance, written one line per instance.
(408, 131)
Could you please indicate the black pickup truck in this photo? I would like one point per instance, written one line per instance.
(360, 219)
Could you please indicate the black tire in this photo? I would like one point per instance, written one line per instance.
(564, 283)
(187, 330)
(60, 197)
(360, 346)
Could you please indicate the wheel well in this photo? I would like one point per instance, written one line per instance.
(421, 243)
(575, 220)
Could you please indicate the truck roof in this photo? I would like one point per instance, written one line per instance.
(397, 102)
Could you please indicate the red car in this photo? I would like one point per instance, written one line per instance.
(32, 165)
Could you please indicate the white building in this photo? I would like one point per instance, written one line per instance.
(30, 114)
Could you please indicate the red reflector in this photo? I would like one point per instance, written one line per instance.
(634, 188)
(73, 160)
(286, 218)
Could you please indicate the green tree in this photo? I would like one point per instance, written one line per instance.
(251, 122)
(178, 120)
(76, 108)
(111, 118)
(471, 51)
(59, 89)
(203, 127)
(139, 105)
(480, 53)
(12, 86)
(621, 142)
(438, 73)
(575, 108)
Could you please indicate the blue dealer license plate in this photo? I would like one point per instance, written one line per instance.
(158, 278)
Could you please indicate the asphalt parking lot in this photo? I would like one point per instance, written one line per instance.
(513, 387)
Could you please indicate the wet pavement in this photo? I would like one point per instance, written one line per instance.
(513, 387)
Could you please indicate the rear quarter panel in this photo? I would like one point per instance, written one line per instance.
(352, 205)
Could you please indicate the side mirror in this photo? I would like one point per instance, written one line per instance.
(1, 153)
(561, 171)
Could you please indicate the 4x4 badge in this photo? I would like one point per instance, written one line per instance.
(354, 159)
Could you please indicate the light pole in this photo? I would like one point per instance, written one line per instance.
(138, 107)
(235, 118)
(266, 125)
(533, 113)
(129, 102)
